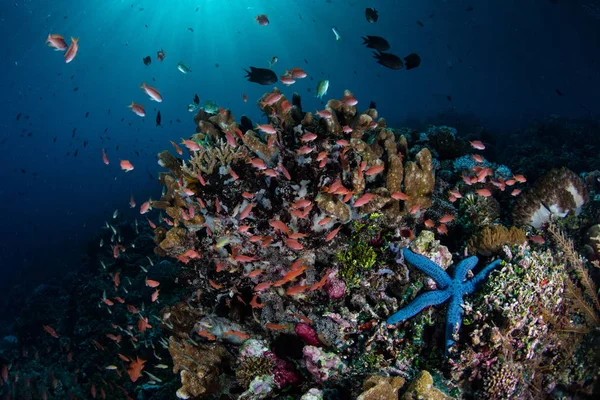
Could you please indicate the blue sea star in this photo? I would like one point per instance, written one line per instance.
(448, 288)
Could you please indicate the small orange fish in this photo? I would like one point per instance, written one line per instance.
(72, 50)
(152, 283)
(447, 218)
(520, 178)
(104, 157)
(477, 158)
(244, 97)
(374, 170)
(429, 223)
(276, 327)
(152, 92)
(50, 330)
(240, 335)
(324, 221)
(537, 239)
(364, 199)
(294, 290)
(177, 148)
(155, 295)
(483, 192)
(122, 357)
(152, 224)
(246, 211)
(215, 285)
(135, 369)
(442, 229)
(116, 338)
(293, 244)
(205, 334)
(320, 284)
(262, 286)
(332, 234)
(477, 144)
(126, 165)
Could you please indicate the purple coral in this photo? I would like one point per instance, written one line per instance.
(322, 365)
(308, 334)
(284, 373)
(336, 288)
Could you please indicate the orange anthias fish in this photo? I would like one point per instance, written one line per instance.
(72, 50)
(240, 335)
(138, 109)
(135, 369)
(126, 165)
(105, 158)
(51, 331)
(56, 41)
(152, 283)
(152, 92)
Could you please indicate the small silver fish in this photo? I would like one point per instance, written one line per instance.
(116, 213)
(149, 259)
(102, 263)
(101, 242)
(113, 229)
(143, 269)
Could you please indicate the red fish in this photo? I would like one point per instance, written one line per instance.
(56, 41)
(483, 192)
(152, 92)
(477, 144)
(152, 283)
(138, 109)
(244, 97)
(447, 218)
(135, 369)
(374, 170)
(160, 55)
(296, 73)
(144, 208)
(104, 157)
(349, 100)
(364, 199)
(72, 50)
(267, 128)
(126, 166)
(177, 148)
(50, 330)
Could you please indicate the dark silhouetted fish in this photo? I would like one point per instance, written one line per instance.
(449, 98)
(420, 24)
(147, 60)
(19, 116)
(196, 99)
(191, 29)
(87, 114)
(470, 8)
(297, 113)
(261, 76)
(158, 119)
(245, 124)
(371, 15)
(412, 61)
(372, 105)
(376, 42)
(388, 60)
(558, 92)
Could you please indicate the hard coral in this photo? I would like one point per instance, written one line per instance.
(559, 192)
(198, 366)
(491, 239)
(422, 388)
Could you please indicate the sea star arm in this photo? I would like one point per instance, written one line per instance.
(460, 272)
(471, 285)
(453, 319)
(427, 266)
(422, 301)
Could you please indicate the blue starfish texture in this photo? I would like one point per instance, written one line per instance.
(453, 289)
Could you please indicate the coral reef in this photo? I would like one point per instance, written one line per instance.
(492, 239)
(422, 388)
(557, 193)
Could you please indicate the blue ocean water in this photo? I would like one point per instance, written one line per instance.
(502, 62)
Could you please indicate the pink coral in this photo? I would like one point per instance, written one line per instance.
(308, 334)
(336, 288)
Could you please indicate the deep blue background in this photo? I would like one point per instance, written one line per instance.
(502, 62)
